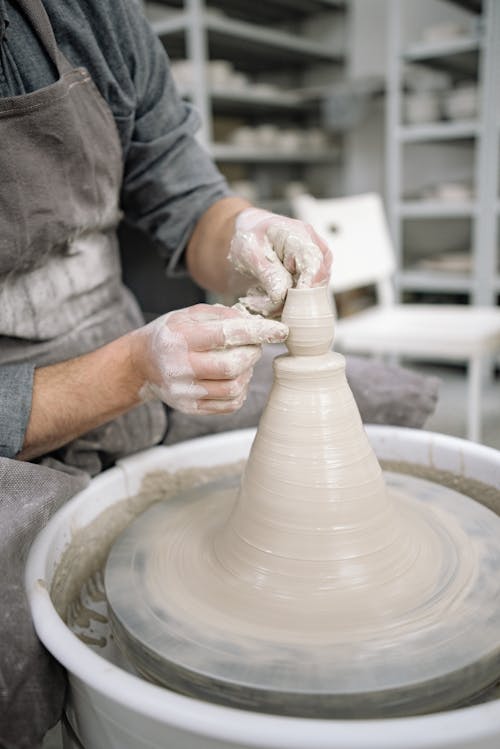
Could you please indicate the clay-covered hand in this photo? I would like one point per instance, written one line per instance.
(200, 359)
(278, 253)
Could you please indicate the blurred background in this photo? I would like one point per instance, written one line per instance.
(337, 98)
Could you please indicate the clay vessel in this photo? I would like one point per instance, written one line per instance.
(309, 316)
(313, 510)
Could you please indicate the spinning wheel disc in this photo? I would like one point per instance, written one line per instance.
(189, 618)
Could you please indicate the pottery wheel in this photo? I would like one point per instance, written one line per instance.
(186, 632)
(317, 586)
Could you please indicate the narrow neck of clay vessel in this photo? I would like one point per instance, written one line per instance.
(310, 319)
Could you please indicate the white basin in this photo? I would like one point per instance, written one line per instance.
(110, 708)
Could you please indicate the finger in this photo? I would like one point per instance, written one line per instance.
(307, 280)
(322, 276)
(303, 258)
(258, 302)
(302, 251)
(207, 407)
(256, 255)
(227, 390)
(308, 264)
(244, 330)
(225, 364)
(200, 313)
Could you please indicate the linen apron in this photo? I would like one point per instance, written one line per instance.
(61, 295)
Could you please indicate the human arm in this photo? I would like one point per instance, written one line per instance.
(170, 185)
(173, 191)
(199, 360)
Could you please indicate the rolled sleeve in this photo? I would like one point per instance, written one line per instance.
(169, 179)
(16, 387)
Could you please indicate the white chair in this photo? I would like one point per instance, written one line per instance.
(357, 232)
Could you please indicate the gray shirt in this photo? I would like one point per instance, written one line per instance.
(169, 180)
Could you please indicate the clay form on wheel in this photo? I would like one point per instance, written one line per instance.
(315, 587)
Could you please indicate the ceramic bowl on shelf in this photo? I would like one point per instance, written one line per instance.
(243, 137)
(445, 31)
(447, 262)
(182, 72)
(422, 107)
(419, 78)
(219, 73)
(263, 89)
(454, 191)
(315, 138)
(267, 135)
(289, 140)
(238, 81)
(461, 103)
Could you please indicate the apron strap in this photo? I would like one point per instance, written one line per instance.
(37, 15)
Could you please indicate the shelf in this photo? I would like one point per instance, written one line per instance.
(417, 280)
(456, 56)
(473, 6)
(436, 209)
(246, 99)
(228, 153)
(235, 38)
(423, 51)
(273, 41)
(249, 100)
(424, 160)
(270, 11)
(439, 131)
(165, 21)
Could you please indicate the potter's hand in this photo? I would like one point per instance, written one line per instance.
(200, 359)
(278, 253)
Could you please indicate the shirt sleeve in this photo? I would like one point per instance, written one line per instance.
(169, 179)
(16, 387)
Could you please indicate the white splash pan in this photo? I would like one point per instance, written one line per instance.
(110, 708)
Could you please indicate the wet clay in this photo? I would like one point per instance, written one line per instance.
(315, 544)
(84, 558)
(313, 588)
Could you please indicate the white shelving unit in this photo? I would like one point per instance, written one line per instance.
(438, 131)
(274, 44)
(473, 56)
(229, 153)
(438, 51)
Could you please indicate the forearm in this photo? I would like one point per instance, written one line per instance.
(208, 248)
(75, 396)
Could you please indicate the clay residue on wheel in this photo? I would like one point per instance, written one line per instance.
(88, 549)
(485, 494)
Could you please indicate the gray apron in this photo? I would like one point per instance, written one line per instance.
(60, 296)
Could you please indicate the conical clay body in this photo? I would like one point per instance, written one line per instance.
(315, 530)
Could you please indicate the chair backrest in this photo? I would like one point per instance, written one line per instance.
(357, 232)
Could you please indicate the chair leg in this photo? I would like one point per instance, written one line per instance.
(474, 399)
